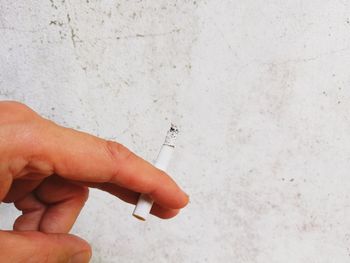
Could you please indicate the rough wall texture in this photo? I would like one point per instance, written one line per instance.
(260, 89)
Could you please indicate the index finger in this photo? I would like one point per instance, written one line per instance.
(82, 157)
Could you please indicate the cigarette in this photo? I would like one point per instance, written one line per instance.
(145, 202)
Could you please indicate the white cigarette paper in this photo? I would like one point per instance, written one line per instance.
(145, 202)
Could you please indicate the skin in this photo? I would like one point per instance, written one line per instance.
(46, 171)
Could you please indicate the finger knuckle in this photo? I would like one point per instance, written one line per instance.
(118, 152)
(120, 156)
(16, 109)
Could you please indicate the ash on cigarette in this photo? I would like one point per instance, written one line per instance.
(174, 129)
(170, 138)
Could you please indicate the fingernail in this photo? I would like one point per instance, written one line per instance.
(82, 257)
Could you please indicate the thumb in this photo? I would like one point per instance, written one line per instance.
(37, 247)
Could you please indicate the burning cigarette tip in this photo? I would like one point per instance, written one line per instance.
(173, 128)
(170, 138)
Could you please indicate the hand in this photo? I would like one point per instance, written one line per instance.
(45, 170)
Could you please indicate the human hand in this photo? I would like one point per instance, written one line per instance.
(46, 169)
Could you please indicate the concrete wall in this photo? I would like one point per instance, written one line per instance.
(260, 90)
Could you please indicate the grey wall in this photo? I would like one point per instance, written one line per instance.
(260, 90)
